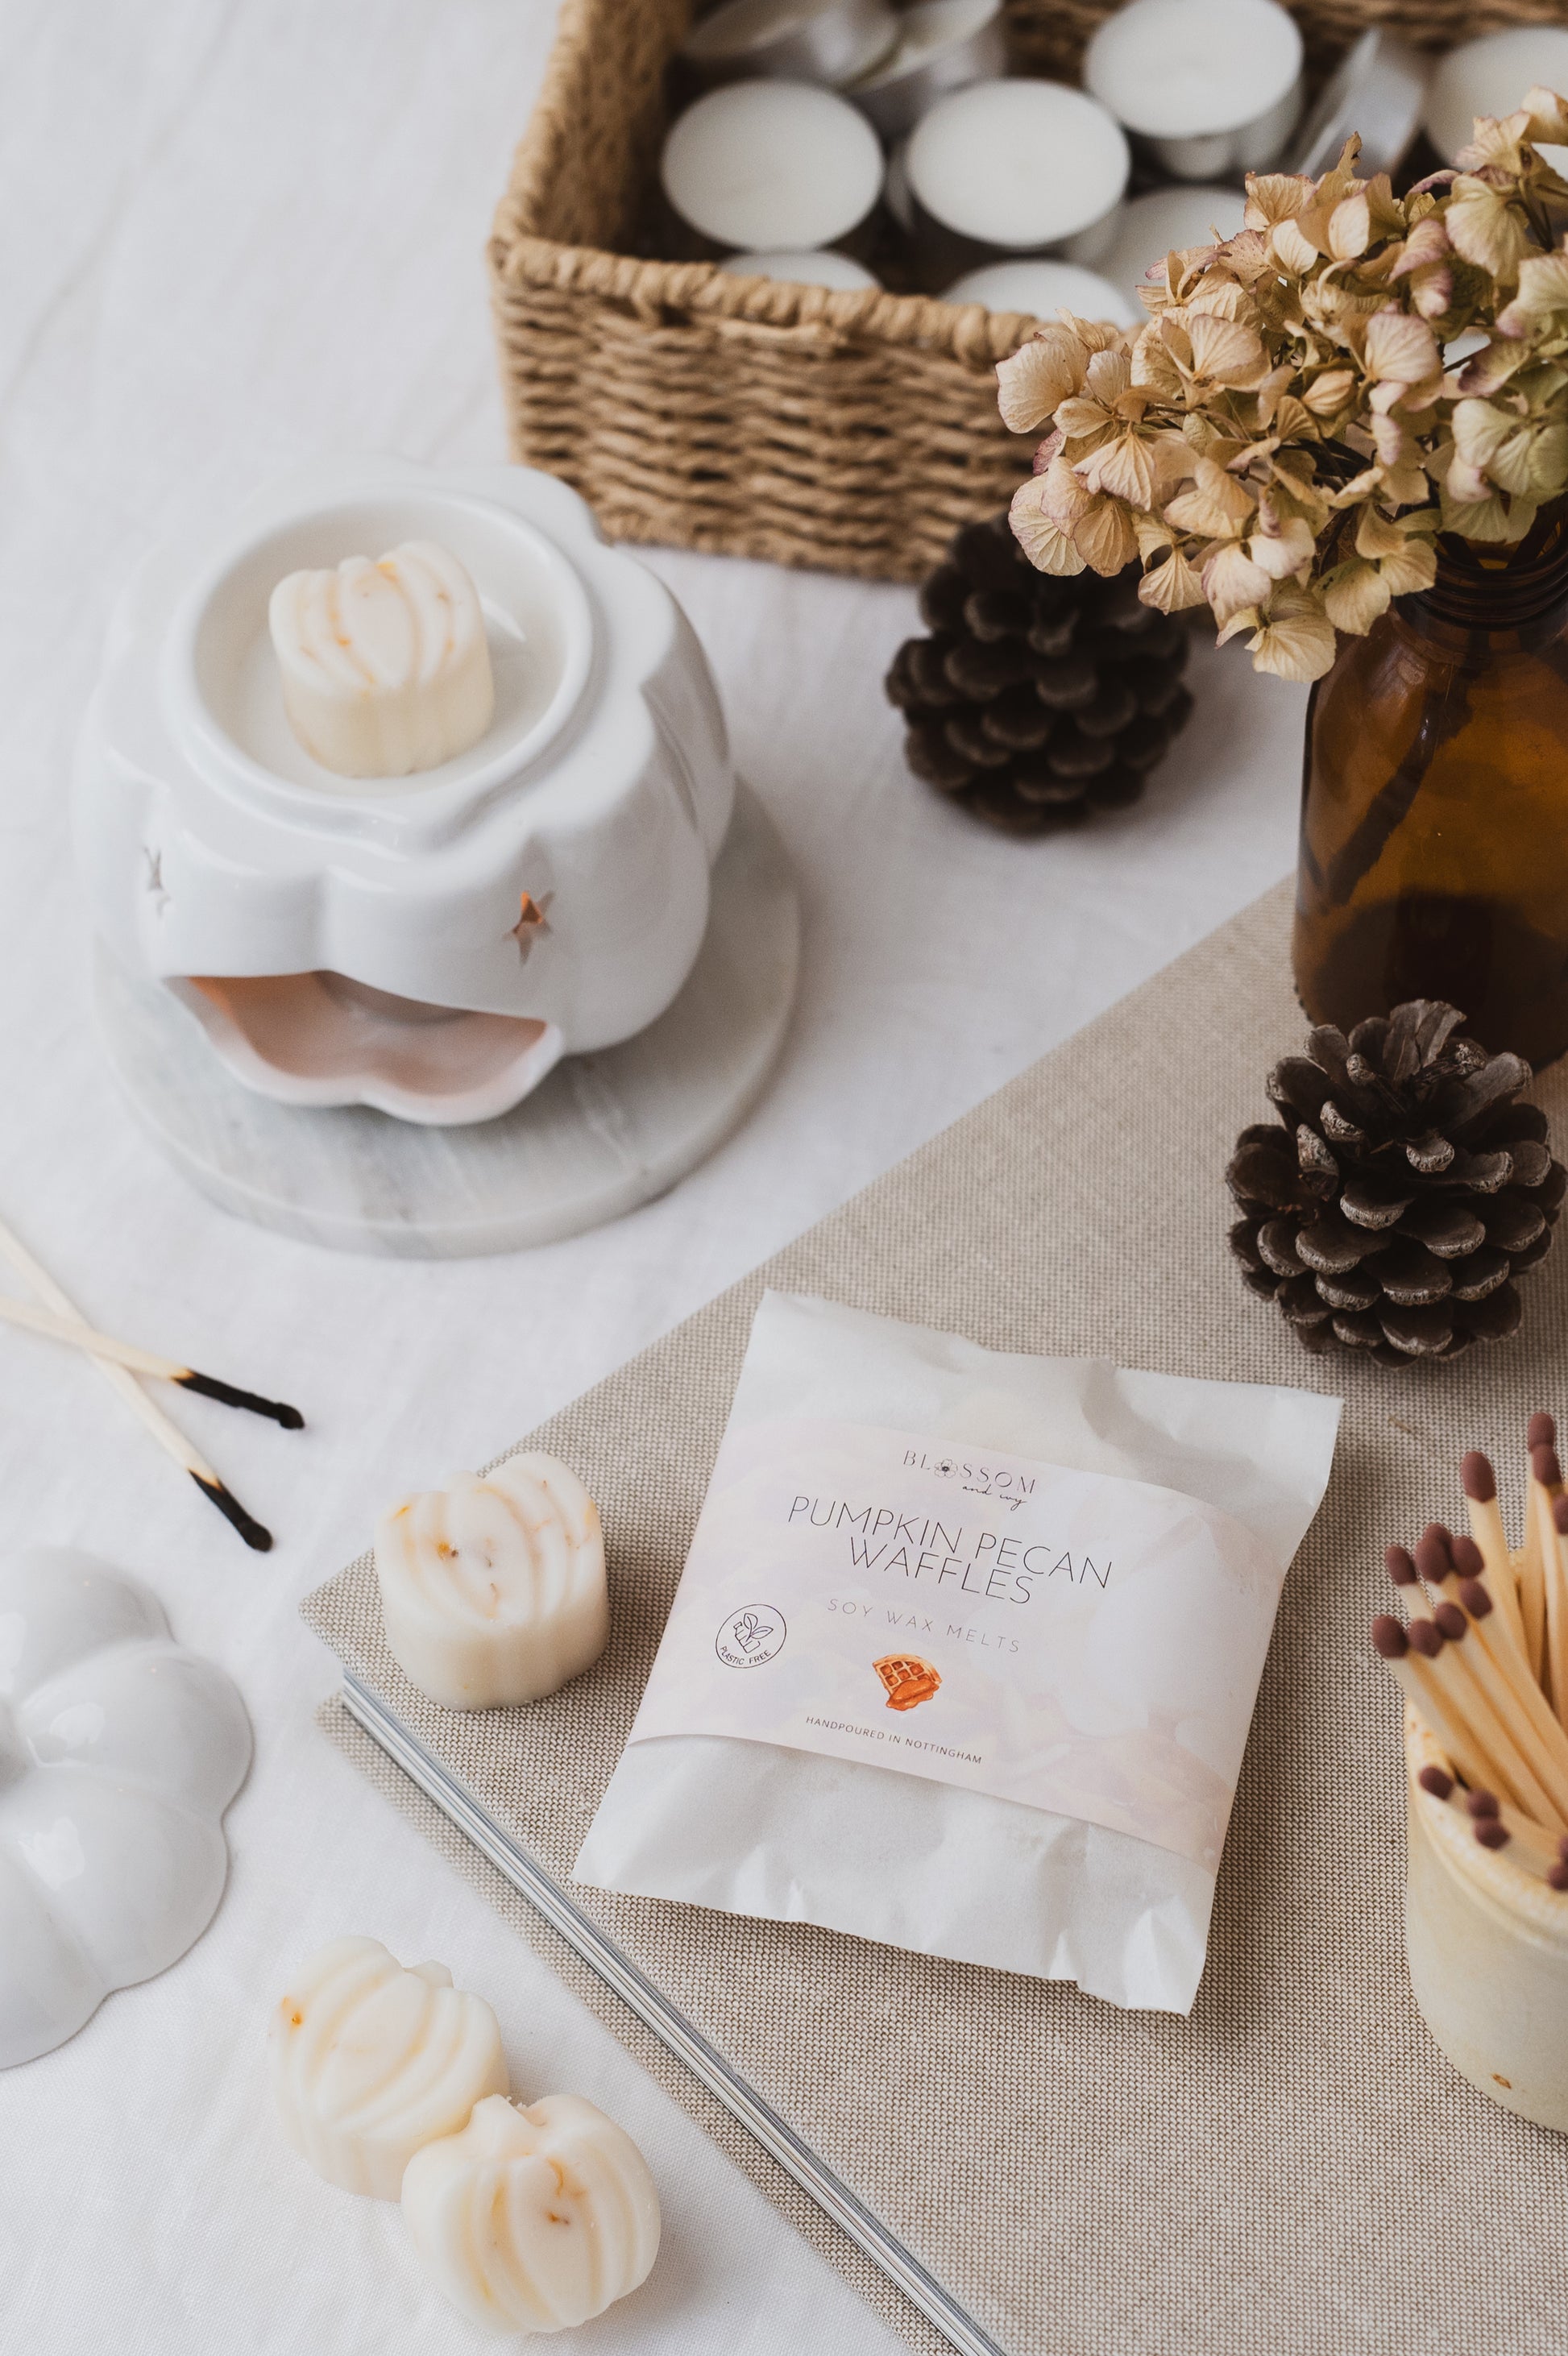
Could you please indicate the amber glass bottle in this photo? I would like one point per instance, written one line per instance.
(1434, 804)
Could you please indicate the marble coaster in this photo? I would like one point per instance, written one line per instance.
(603, 1133)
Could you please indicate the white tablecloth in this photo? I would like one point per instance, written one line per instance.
(235, 232)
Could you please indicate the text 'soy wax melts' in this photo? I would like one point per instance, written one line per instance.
(773, 167)
(1044, 288)
(493, 1588)
(1491, 76)
(1207, 86)
(385, 665)
(533, 2220)
(1020, 165)
(369, 2062)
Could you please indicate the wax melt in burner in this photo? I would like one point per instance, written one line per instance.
(426, 939)
(385, 669)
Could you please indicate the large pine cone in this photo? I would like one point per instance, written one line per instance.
(1402, 1190)
(1036, 699)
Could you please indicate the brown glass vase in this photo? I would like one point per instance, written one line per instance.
(1434, 804)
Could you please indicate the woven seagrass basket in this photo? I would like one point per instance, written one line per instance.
(750, 418)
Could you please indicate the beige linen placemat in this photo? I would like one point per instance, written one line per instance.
(1294, 2171)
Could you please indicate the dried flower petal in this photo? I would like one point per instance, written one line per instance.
(1039, 376)
(1354, 596)
(1296, 641)
(1215, 505)
(1043, 541)
(1232, 583)
(1485, 229)
(1173, 586)
(1402, 348)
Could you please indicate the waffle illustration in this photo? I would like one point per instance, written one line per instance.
(908, 1679)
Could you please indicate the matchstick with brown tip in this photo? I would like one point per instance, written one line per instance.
(54, 1328)
(1456, 1677)
(1540, 1732)
(1449, 1565)
(1485, 1516)
(1408, 1671)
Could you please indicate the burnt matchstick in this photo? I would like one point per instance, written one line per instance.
(167, 1435)
(54, 1328)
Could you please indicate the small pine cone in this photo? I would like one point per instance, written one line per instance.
(1035, 700)
(1402, 1189)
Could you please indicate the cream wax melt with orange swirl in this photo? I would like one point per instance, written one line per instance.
(385, 667)
(493, 1587)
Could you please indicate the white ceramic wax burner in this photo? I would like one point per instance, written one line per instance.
(429, 943)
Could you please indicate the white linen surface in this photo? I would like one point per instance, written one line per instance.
(237, 232)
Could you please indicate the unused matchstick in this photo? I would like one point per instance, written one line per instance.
(1451, 1735)
(1502, 1760)
(1550, 1743)
(167, 1435)
(54, 1328)
(1486, 1516)
(1546, 1493)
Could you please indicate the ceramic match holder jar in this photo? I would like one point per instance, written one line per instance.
(1487, 1946)
(431, 944)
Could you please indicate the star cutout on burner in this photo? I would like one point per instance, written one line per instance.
(155, 884)
(531, 922)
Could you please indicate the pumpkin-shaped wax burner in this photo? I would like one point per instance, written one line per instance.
(493, 1588)
(119, 1752)
(533, 2220)
(369, 2061)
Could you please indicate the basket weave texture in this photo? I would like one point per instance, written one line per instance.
(745, 417)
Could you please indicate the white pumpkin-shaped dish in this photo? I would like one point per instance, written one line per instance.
(533, 2220)
(119, 1752)
(369, 2061)
(493, 1588)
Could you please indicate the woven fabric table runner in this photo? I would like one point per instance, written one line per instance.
(1294, 2171)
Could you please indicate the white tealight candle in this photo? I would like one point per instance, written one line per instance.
(830, 41)
(1044, 288)
(942, 45)
(1019, 165)
(773, 167)
(836, 271)
(1207, 85)
(385, 667)
(1168, 221)
(1490, 76)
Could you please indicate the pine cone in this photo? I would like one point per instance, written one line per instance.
(1402, 1191)
(1034, 699)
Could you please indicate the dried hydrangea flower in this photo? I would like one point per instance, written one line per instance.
(1283, 441)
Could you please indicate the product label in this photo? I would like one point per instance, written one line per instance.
(1070, 1640)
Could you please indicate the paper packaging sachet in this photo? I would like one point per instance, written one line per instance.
(965, 1651)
